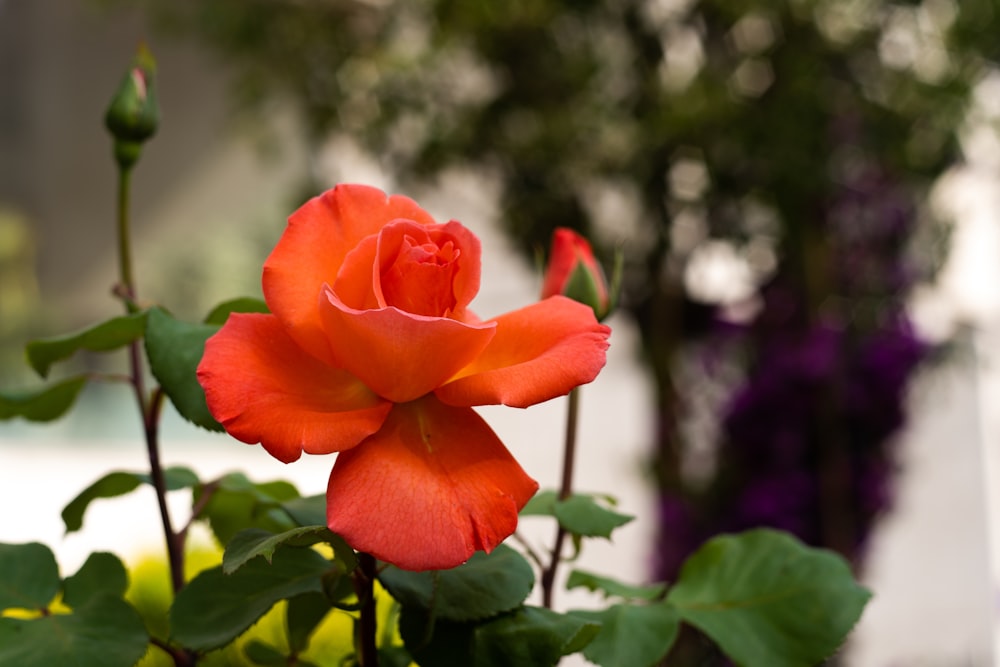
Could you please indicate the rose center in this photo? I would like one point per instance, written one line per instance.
(420, 278)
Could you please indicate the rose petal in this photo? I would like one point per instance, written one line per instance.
(318, 237)
(263, 388)
(434, 485)
(355, 284)
(398, 355)
(539, 352)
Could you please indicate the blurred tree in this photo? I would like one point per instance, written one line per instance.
(797, 139)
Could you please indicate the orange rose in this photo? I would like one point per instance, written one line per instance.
(371, 351)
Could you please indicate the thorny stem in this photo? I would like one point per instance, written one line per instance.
(565, 490)
(364, 588)
(175, 551)
(149, 407)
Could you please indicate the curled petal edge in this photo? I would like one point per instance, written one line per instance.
(539, 352)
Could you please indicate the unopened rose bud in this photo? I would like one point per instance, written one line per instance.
(134, 113)
(573, 271)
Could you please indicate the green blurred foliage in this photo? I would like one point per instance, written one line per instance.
(661, 124)
(555, 97)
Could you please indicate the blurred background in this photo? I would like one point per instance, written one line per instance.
(805, 193)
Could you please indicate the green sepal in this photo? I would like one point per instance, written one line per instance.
(582, 286)
(767, 599)
(42, 405)
(110, 335)
(133, 114)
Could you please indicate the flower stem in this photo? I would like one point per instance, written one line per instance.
(565, 491)
(125, 276)
(149, 406)
(364, 588)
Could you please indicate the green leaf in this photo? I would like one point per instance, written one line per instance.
(110, 335)
(29, 576)
(542, 503)
(104, 632)
(215, 608)
(767, 599)
(487, 585)
(119, 483)
(436, 642)
(311, 510)
(611, 587)
(338, 586)
(264, 654)
(176, 478)
(252, 542)
(525, 637)
(531, 636)
(43, 405)
(102, 574)
(631, 635)
(582, 515)
(112, 484)
(271, 493)
(307, 511)
(302, 615)
(174, 349)
(245, 304)
(236, 503)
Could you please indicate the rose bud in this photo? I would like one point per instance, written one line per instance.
(134, 114)
(573, 271)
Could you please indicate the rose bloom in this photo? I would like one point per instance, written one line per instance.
(370, 350)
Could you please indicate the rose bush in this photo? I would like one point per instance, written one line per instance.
(371, 351)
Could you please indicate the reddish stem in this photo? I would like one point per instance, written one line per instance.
(565, 491)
